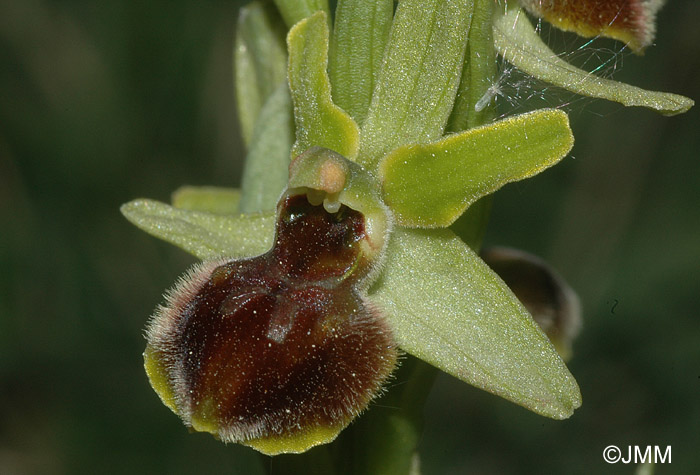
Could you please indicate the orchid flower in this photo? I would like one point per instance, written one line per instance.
(342, 250)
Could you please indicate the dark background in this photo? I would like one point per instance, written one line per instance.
(103, 102)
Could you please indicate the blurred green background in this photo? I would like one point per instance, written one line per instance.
(103, 102)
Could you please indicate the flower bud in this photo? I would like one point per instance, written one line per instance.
(553, 304)
(631, 21)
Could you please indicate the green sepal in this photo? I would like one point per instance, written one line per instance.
(204, 235)
(265, 171)
(293, 11)
(260, 61)
(319, 122)
(210, 199)
(415, 92)
(356, 52)
(478, 74)
(431, 185)
(518, 42)
(449, 309)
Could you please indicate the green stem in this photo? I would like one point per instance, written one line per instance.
(471, 226)
(385, 439)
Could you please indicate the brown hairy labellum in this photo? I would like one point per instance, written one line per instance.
(278, 351)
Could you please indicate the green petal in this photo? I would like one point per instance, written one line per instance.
(319, 122)
(204, 235)
(449, 309)
(418, 82)
(211, 199)
(265, 171)
(294, 11)
(260, 61)
(518, 42)
(356, 52)
(431, 185)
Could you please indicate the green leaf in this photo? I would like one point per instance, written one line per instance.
(319, 122)
(204, 235)
(207, 198)
(356, 52)
(419, 78)
(431, 185)
(265, 171)
(294, 11)
(518, 42)
(260, 61)
(449, 309)
(478, 74)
